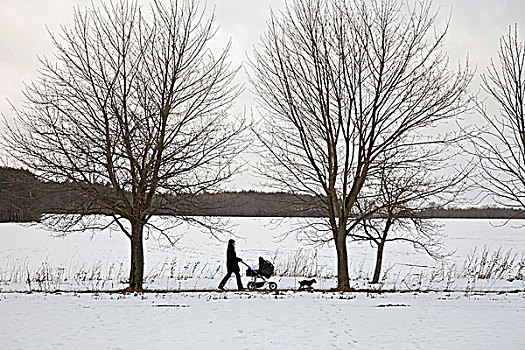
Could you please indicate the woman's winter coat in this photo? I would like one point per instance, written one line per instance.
(232, 261)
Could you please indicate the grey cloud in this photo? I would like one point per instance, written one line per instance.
(475, 28)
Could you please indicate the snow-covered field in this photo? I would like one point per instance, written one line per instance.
(262, 321)
(82, 261)
(469, 317)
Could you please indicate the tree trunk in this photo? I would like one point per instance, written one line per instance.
(136, 273)
(343, 280)
(379, 261)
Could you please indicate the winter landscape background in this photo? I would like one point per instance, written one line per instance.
(64, 292)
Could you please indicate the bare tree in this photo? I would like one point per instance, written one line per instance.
(341, 83)
(500, 146)
(132, 115)
(392, 206)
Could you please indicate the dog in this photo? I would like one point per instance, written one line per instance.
(306, 283)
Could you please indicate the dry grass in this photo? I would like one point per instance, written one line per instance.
(479, 265)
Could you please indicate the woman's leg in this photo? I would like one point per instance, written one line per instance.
(225, 279)
(239, 282)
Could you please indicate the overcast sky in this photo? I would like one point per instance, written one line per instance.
(475, 28)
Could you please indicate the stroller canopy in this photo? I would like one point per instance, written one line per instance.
(265, 267)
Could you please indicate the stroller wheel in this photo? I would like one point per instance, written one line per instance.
(252, 286)
(272, 286)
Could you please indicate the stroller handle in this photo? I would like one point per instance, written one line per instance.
(248, 266)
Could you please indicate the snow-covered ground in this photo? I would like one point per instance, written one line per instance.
(262, 321)
(469, 318)
(82, 261)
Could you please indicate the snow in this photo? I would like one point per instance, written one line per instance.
(479, 314)
(83, 261)
(262, 321)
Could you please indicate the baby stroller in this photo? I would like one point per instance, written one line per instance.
(264, 271)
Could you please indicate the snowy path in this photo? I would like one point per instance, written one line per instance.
(262, 321)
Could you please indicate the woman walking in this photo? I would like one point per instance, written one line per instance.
(232, 265)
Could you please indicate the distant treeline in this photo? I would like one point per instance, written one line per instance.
(474, 213)
(23, 198)
(20, 199)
